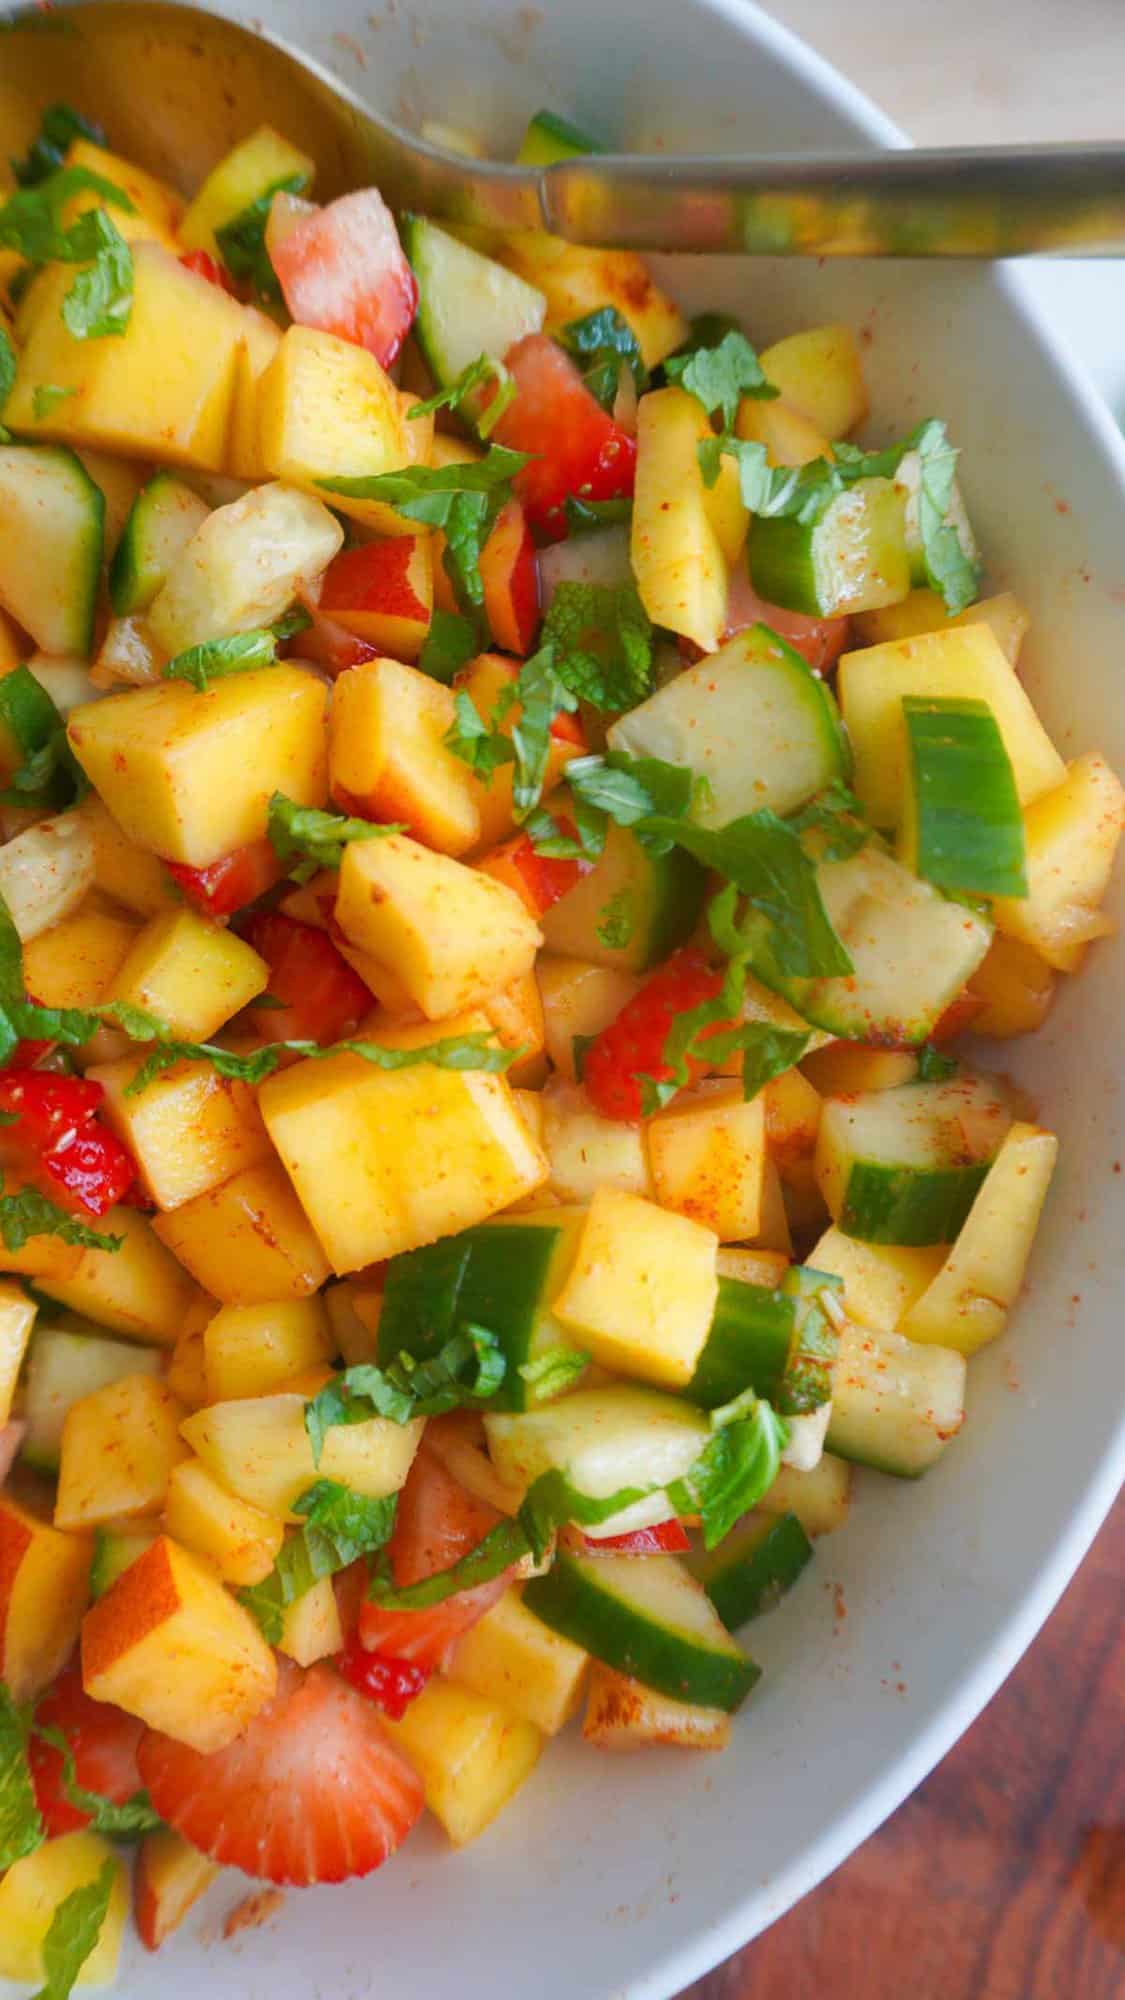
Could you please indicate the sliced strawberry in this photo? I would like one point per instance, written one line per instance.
(206, 266)
(577, 450)
(312, 1791)
(342, 268)
(820, 641)
(232, 882)
(632, 1046)
(666, 1538)
(103, 1742)
(437, 1523)
(322, 998)
(509, 572)
(391, 1684)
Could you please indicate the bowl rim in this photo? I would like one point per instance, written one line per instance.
(702, 1951)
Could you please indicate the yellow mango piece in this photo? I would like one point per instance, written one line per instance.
(242, 1541)
(708, 1154)
(641, 1292)
(578, 999)
(348, 1135)
(516, 1014)
(820, 1497)
(161, 390)
(186, 1374)
(156, 210)
(188, 1130)
(485, 680)
(259, 1449)
(13, 650)
(968, 1300)
(676, 553)
(192, 974)
(820, 372)
(261, 338)
(388, 759)
(964, 662)
(251, 1350)
(924, 611)
(34, 1889)
(753, 1267)
(576, 280)
(191, 774)
(450, 934)
(247, 1242)
(623, 1714)
(242, 176)
(127, 873)
(44, 1591)
(42, 1258)
(75, 962)
(171, 1875)
(310, 1627)
(17, 1317)
(139, 1290)
(471, 1755)
(1071, 836)
(45, 871)
(119, 1446)
(169, 1644)
(510, 1656)
(792, 1108)
(326, 410)
(789, 437)
(773, 1231)
(1016, 987)
(587, 1151)
(881, 1280)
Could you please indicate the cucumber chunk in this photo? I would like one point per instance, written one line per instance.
(753, 719)
(62, 1367)
(504, 1275)
(114, 1551)
(751, 1570)
(911, 951)
(854, 558)
(599, 557)
(549, 138)
(468, 304)
(603, 1440)
(904, 1166)
(896, 1404)
(654, 901)
(648, 1619)
(778, 1343)
(51, 546)
(908, 479)
(962, 827)
(162, 520)
(819, 1497)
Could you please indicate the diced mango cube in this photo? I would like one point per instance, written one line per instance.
(252, 1350)
(967, 1303)
(258, 162)
(261, 338)
(510, 1656)
(119, 1446)
(708, 1153)
(17, 1317)
(820, 372)
(247, 1242)
(1015, 986)
(1071, 836)
(75, 962)
(489, 681)
(386, 1160)
(242, 1541)
(44, 1591)
(450, 934)
(169, 1643)
(471, 1755)
(188, 1130)
(642, 1290)
(788, 435)
(623, 1714)
(34, 1890)
(310, 1626)
(579, 999)
(171, 1875)
(587, 1151)
(259, 1449)
(160, 390)
(677, 556)
(191, 775)
(924, 611)
(326, 410)
(156, 210)
(139, 1290)
(123, 871)
(193, 975)
(388, 759)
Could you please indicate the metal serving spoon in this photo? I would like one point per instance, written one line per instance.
(178, 86)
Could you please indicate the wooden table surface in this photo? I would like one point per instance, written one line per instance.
(1003, 1876)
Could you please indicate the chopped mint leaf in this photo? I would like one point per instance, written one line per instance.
(28, 1213)
(601, 639)
(481, 746)
(554, 1371)
(30, 219)
(291, 622)
(833, 823)
(933, 1066)
(73, 1932)
(539, 696)
(719, 376)
(100, 300)
(117, 1822)
(449, 645)
(311, 839)
(213, 659)
(46, 396)
(467, 1371)
(242, 241)
(7, 376)
(474, 377)
(603, 342)
(616, 921)
(21, 1829)
(504, 1545)
(477, 1051)
(949, 569)
(584, 515)
(50, 777)
(339, 1527)
(58, 127)
(734, 1469)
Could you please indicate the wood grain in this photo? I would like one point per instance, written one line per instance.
(1003, 1876)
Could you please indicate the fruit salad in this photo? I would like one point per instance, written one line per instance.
(511, 808)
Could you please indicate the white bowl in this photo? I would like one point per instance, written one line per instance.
(612, 1880)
